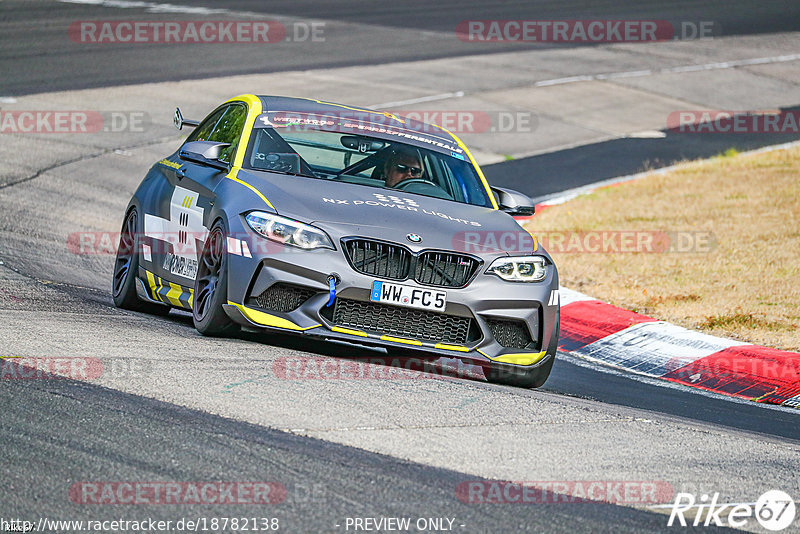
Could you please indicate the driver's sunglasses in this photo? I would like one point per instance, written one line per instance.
(414, 171)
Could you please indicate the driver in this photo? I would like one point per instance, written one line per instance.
(401, 165)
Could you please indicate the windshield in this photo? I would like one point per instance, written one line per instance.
(367, 161)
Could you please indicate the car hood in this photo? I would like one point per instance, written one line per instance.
(343, 209)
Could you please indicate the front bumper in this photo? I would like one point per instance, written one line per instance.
(489, 305)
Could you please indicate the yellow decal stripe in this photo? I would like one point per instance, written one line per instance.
(159, 290)
(254, 109)
(169, 293)
(349, 107)
(445, 346)
(169, 163)
(174, 294)
(151, 281)
(525, 358)
(402, 340)
(535, 241)
(349, 331)
(185, 298)
(266, 319)
(232, 176)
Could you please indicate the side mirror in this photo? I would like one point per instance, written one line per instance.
(204, 153)
(514, 202)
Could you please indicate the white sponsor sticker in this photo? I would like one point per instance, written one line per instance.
(183, 230)
(181, 266)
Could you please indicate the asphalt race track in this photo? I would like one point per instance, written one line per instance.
(361, 32)
(173, 406)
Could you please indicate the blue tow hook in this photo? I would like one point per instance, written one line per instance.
(332, 280)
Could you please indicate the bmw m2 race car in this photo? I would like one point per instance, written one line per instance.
(300, 216)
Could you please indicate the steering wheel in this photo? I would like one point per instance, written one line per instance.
(423, 187)
(274, 162)
(411, 181)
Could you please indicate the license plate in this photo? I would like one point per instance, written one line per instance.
(409, 296)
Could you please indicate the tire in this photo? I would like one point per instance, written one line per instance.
(524, 378)
(211, 287)
(126, 268)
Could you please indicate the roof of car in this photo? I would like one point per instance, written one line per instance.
(413, 129)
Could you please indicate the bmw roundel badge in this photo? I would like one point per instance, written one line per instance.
(414, 238)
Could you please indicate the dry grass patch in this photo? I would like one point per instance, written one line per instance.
(743, 283)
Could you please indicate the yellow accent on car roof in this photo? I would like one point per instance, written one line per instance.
(376, 112)
(254, 109)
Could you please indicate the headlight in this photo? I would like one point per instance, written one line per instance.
(520, 268)
(288, 231)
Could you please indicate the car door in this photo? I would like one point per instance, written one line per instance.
(186, 202)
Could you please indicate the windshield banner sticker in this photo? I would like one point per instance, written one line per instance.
(386, 125)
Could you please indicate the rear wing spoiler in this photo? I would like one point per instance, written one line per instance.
(180, 122)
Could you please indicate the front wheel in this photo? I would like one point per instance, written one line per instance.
(211, 287)
(528, 378)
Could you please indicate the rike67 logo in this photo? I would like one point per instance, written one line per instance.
(774, 510)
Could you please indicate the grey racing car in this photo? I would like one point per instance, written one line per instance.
(306, 217)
